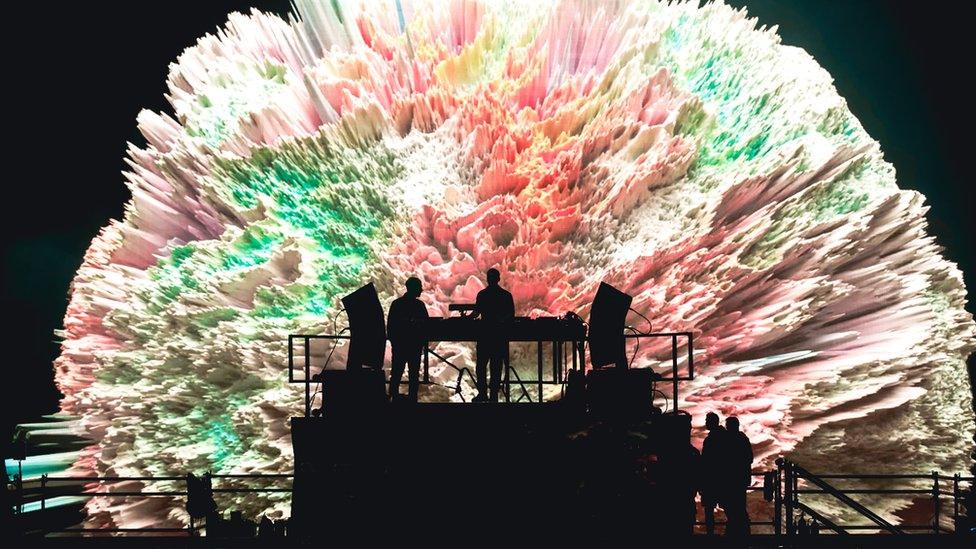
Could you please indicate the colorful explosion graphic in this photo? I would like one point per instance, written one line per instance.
(678, 152)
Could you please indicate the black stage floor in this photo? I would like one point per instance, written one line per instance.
(533, 467)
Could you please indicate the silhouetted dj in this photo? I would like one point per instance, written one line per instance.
(496, 308)
(405, 328)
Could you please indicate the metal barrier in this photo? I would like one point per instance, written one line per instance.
(41, 490)
(785, 487)
(794, 481)
(300, 351)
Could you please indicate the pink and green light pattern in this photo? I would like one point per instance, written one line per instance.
(678, 152)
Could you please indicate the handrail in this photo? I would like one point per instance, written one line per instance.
(893, 491)
(461, 370)
(48, 488)
(842, 496)
(885, 476)
(518, 378)
(40, 491)
(303, 351)
(822, 519)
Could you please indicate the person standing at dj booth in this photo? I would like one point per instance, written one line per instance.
(496, 308)
(406, 332)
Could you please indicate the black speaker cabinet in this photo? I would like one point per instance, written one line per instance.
(608, 316)
(366, 328)
(620, 393)
(352, 390)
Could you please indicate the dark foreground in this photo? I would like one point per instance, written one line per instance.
(594, 538)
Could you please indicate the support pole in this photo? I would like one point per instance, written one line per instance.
(788, 495)
(508, 382)
(43, 491)
(186, 488)
(539, 360)
(308, 387)
(778, 500)
(555, 361)
(795, 485)
(955, 501)
(674, 373)
(20, 486)
(291, 358)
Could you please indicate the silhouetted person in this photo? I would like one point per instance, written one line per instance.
(802, 527)
(691, 489)
(740, 477)
(496, 308)
(240, 527)
(265, 528)
(200, 501)
(715, 459)
(680, 474)
(405, 329)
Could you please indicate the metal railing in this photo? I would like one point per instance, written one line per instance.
(786, 488)
(38, 492)
(791, 492)
(300, 359)
(690, 357)
(794, 482)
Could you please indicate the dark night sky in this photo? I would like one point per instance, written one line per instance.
(82, 71)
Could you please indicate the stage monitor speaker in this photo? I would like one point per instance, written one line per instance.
(674, 433)
(367, 329)
(620, 393)
(352, 390)
(607, 319)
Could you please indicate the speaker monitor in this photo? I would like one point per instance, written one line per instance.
(366, 328)
(352, 390)
(607, 318)
(620, 393)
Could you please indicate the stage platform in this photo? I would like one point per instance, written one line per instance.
(445, 464)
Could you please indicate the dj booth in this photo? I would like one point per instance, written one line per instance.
(605, 334)
(553, 332)
(566, 340)
(601, 453)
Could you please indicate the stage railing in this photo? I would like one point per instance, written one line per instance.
(689, 357)
(795, 483)
(786, 489)
(300, 358)
(39, 494)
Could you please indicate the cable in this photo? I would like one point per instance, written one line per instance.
(636, 348)
(460, 370)
(335, 317)
(630, 364)
(649, 327)
(667, 405)
(335, 344)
